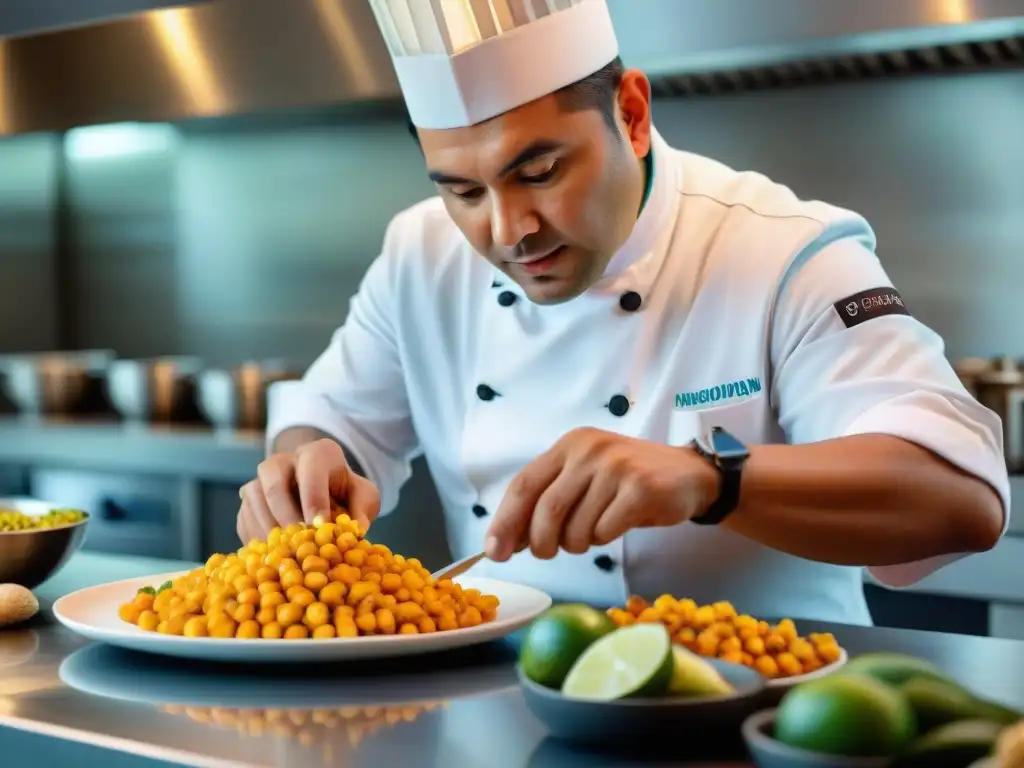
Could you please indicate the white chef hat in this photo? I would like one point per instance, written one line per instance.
(460, 62)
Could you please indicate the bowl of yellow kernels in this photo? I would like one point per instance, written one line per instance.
(777, 651)
(37, 539)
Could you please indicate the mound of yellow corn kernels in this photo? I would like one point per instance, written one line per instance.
(304, 581)
(717, 630)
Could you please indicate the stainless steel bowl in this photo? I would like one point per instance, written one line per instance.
(55, 383)
(31, 557)
(237, 399)
(157, 390)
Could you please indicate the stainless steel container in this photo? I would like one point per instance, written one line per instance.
(56, 383)
(157, 390)
(969, 369)
(237, 399)
(32, 556)
(1000, 387)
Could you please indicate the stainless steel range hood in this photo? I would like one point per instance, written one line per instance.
(685, 36)
(700, 47)
(224, 57)
(213, 58)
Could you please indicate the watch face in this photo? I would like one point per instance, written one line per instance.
(726, 446)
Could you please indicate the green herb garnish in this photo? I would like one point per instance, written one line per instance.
(146, 590)
(165, 585)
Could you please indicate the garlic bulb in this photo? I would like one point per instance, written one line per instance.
(17, 604)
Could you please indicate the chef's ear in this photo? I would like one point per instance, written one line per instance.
(634, 99)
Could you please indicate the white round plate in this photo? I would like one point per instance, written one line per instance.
(789, 682)
(92, 613)
(101, 670)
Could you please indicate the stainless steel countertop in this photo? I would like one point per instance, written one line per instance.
(457, 709)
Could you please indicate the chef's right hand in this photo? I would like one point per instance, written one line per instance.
(296, 486)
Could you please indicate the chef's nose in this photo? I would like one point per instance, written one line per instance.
(512, 221)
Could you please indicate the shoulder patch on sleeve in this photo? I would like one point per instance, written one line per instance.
(867, 305)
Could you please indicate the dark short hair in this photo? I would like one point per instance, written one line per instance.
(597, 91)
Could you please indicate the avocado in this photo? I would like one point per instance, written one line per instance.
(892, 668)
(937, 702)
(953, 745)
(997, 713)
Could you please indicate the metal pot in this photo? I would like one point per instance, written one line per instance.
(237, 399)
(56, 383)
(970, 369)
(157, 390)
(1000, 387)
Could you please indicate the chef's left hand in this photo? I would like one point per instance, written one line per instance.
(594, 486)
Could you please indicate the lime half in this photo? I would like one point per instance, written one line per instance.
(557, 639)
(631, 661)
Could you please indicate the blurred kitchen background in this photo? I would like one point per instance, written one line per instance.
(190, 196)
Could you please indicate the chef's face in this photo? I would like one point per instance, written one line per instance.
(547, 193)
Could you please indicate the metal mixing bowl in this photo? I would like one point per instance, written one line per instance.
(31, 557)
(55, 383)
(237, 399)
(155, 390)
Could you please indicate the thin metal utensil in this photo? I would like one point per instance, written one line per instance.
(459, 567)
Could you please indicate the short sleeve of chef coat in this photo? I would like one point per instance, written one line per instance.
(886, 375)
(355, 391)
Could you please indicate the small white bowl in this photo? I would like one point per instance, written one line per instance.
(775, 689)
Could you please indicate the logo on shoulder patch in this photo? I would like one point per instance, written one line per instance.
(867, 305)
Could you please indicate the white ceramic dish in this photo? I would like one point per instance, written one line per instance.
(789, 682)
(101, 670)
(92, 613)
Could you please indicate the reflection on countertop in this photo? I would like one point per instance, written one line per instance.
(319, 714)
(309, 727)
(409, 711)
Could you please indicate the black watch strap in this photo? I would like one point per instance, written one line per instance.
(728, 455)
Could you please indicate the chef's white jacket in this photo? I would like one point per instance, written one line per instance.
(758, 312)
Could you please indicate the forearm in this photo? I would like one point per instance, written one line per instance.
(295, 437)
(864, 500)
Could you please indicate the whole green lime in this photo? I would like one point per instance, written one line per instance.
(849, 715)
(555, 640)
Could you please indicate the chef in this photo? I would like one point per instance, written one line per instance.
(630, 369)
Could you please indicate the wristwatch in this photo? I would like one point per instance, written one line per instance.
(728, 455)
